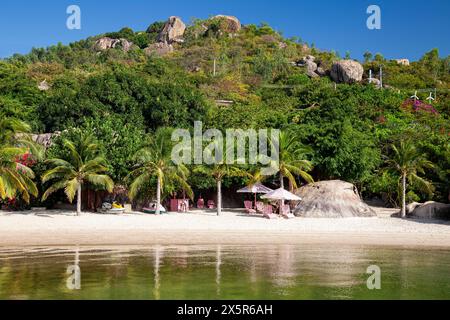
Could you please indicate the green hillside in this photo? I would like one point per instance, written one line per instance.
(228, 77)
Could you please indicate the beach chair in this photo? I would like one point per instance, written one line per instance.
(286, 212)
(211, 204)
(268, 212)
(249, 207)
(201, 204)
(260, 207)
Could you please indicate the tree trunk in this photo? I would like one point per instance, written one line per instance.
(282, 186)
(404, 196)
(79, 199)
(158, 195)
(219, 197)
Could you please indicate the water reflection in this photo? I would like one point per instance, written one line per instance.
(158, 257)
(224, 272)
(218, 264)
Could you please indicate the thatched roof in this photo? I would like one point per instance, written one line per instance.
(331, 199)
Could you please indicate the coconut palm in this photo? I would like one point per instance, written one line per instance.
(15, 176)
(85, 164)
(292, 160)
(155, 162)
(219, 172)
(220, 168)
(409, 162)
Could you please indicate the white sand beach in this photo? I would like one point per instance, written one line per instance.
(60, 228)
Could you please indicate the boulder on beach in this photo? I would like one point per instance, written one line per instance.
(331, 199)
(428, 210)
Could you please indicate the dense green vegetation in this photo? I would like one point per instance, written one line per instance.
(122, 98)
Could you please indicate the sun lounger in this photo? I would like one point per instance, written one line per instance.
(249, 207)
(260, 207)
(211, 204)
(286, 212)
(201, 204)
(268, 212)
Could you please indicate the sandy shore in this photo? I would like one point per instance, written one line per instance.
(61, 228)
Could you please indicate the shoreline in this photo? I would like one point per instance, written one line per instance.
(63, 228)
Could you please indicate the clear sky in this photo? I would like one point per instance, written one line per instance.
(409, 27)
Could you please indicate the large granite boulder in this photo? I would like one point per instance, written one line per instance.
(346, 71)
(311, 68)
(229, 24)
(403, 62)
(331, 199)
(106, 43)
(173, 31)
(428, 210)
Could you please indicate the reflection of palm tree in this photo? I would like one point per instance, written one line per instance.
(158, 257)
(218, 271)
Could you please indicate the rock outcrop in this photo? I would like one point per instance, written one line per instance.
(331, 199)
(403, 62)
(106, 43)
(44, 86)
(230, 24)
(428, 210)
(347, 71)
(312, 68)
(173, 31)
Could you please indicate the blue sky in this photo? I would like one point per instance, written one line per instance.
(409, 27)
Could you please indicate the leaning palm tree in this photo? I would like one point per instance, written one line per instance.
(85, 164)
(409, 162)
(15, 176)
(155, 162)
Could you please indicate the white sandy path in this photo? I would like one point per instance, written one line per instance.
(51, 228)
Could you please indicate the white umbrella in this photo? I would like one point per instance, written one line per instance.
(256, 188)
(281, 194)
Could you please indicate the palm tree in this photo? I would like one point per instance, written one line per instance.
(84, 164)
(409, 162)
(155, 161)
(292, 160)
(16, 177)
(219, 169)
(219, 172)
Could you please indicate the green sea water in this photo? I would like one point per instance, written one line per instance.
(224, 272)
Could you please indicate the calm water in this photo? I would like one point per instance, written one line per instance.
(224, 272)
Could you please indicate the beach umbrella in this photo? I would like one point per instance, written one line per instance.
(256, 188)
(281, 194)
